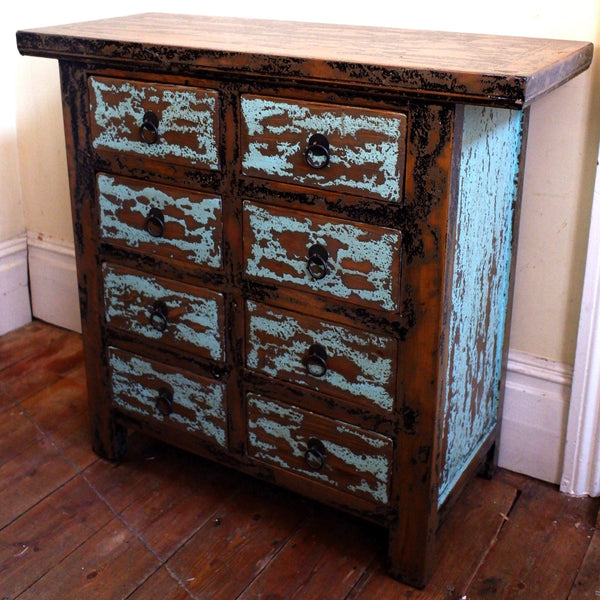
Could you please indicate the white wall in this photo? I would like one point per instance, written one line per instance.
(12, 219)
(14, 293)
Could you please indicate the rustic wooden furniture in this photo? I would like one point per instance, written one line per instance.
(294, 247)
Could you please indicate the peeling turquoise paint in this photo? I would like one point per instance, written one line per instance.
(354, 245)
(199, 221)
(204, 400)
(278, 343)
(182, 111)
(489, 168)
(130, 296)
(278, 118)
(286, 425)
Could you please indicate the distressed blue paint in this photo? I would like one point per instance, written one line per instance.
(199, 221)
(354, 245)
(278, 343)
(187, 112)
(278, 117)
(286, 425)
(198, 319)
(480, 283)
(205, 400)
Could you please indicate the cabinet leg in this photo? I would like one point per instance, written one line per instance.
(410, 563)
(109, 440)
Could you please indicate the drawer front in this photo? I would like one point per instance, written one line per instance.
(182, 130)
(357, 365)
(152, 390)
(349, 261)
(161, 220)
(360, 151)
(165, 311)
(345, 457)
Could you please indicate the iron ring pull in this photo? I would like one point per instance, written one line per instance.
(316, 263)
(155, 222)
(149, 128)
(316, 361)
(315, 454)
(317, 154)
(158, 316)
(164, 401)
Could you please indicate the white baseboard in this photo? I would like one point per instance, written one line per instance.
(15, 307)
(53, 282)
(536, 402)
(534, 423)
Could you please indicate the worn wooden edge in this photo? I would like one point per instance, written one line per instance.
(415, 486)
(111, 42)
(511, 285)
(446, 306)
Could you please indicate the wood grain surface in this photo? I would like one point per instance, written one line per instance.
(508, 71)
(167, 525)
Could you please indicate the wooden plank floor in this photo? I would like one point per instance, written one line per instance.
(165, 525)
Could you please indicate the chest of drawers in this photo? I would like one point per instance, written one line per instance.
(294, 247)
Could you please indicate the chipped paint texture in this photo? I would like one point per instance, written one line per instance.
(366, 147)
(356, 461)
(187, 120)
(364, 262)
(198, 404)
(480, 284)
(195, 219)
(359, 364)
(194, 315)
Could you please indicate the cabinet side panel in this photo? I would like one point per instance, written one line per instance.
(479, 292)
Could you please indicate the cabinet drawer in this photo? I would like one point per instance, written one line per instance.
(165, 311)
(162, 220)
(163, 394)
(174, 123)
(349, 261)
(357, 365)
(343, 456)
(359, 151)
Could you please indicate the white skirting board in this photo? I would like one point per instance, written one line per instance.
(15, 307)
(53, 282)
(534, 422)
(536, 403)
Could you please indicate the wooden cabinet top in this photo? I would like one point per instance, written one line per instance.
(471, 68)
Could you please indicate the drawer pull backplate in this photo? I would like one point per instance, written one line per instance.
(315, 454)
(158, 316)
(316, 263)
(316, 361)
(164, 401)
(317, 154)
(155, 222)
(149, 128)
